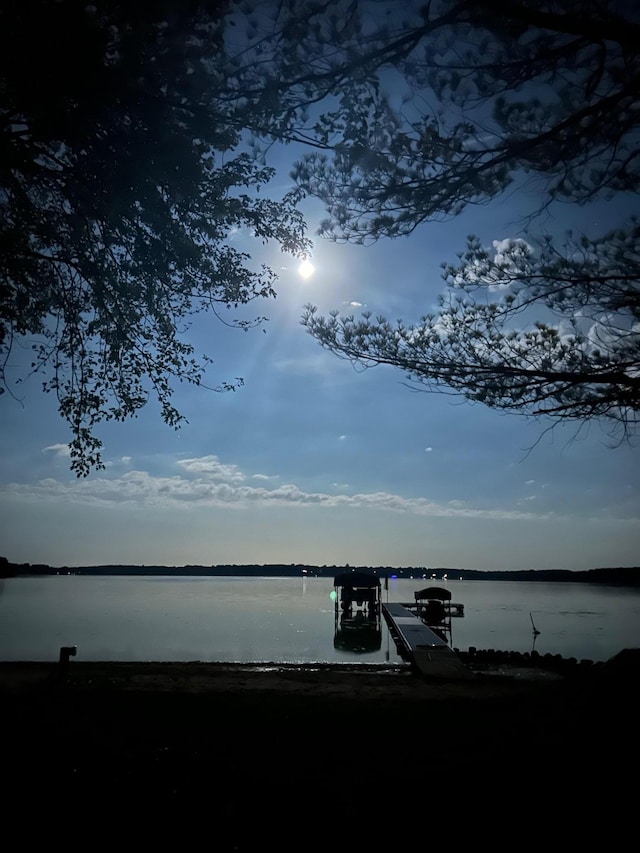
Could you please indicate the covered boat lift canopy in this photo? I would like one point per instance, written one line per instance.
(433, 593)
(433, 605)
(358, 589)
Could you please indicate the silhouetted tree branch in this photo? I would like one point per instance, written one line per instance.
(494, 93)
(121, 180)
(488, 343)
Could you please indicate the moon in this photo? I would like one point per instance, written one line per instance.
(306, 268)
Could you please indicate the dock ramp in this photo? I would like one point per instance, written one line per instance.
(429, 652)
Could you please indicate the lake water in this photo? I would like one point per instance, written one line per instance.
(292, 620)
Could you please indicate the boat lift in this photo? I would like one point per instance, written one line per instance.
(358, 626)
(434, 607)
(358, 591)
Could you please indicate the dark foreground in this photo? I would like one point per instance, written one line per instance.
(235, 758)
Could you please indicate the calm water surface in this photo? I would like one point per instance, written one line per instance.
(291, 620)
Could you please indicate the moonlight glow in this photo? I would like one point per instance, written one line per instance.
(306, 269)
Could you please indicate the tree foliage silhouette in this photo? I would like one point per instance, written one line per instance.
(121, 179)
(495, 95)
(486, 344)
(129, 160)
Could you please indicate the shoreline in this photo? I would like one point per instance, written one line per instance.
(609, 576)
(247, 752)
(487, 673)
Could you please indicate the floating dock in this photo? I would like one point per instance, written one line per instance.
(427, 650)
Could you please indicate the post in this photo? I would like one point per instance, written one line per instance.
(65, 653)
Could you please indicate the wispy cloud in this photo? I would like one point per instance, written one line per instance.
(206, 481)
(57, 450)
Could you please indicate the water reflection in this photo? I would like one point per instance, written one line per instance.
(358, 632)
(357, 622)
(286, 620)
(535, 632)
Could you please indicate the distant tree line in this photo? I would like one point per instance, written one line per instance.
(621, 576)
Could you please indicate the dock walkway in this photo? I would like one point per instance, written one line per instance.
(428, 651)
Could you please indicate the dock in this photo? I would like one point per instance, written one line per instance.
(427, 650)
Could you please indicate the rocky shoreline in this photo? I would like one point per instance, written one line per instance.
(493, 669)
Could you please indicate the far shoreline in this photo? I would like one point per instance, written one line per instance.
(618, 576)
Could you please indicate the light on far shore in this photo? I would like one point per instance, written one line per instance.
(306, 268)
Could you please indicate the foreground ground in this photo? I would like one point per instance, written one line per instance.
(304, 758)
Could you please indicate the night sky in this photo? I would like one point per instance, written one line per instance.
(315, 462)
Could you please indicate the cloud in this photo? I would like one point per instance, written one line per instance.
(57, 450)
(342, 438)
(144, 491)
(123, 460)
(428, 449)
(212, 467)
(206, 482)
